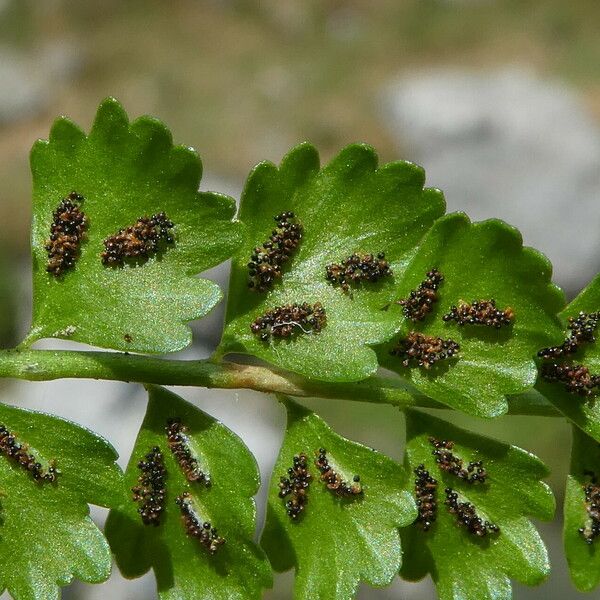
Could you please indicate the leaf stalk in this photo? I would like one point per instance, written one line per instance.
(47, 365)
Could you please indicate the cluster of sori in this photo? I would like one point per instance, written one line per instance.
(296, 485)
(333, 480)
(204, 532)
(283, 321)
(19, 453)
(420, 301)
(150, 493)
(179, 446)
(358, 268)
(138, 241)
(480, 312)
(68, 228)
(577, 379)
(467, 517)
(425, 491)
(583, 326)
(425, 350)
(591, 530)
(448, 462)
(267, 260)
(583, 329)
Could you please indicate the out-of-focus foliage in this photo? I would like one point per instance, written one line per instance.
(8, 317)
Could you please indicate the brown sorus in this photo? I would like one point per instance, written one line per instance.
(591, 530)
(425, 350)
(480, 312)
(150, 492)
(179, 445)
(138, 241)
(296, 486)
(358, 268)
(583, 326)
(467, 517)
(333, 480)
(420, 301)
(68, 228)
(283, 321)
(266, 261)
(582, 329)
(577, 379)
(425, 492)
(19, 453)
(204, 532)
(474, 472)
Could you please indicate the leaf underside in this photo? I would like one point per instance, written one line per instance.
(480, 261)
(350, 205)
(46, 535)
(461, 564)
(126, 171)
(584, 412)
(583, 559)
(336, 542)
(183, 568)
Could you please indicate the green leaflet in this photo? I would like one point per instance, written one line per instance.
(480, 261)
(584, 412)
(336, 542)
(183, 568)
(46, 535)
(350, 205)
(126, 171)
(462, 565)
(583, 559)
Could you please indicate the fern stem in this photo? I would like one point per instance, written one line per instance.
(45, 365)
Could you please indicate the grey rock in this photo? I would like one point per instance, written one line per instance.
(511, 145)
(28, 81)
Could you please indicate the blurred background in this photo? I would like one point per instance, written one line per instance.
(499, 100)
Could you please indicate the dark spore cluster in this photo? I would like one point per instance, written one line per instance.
(296, 486)
(577, 379)
(582, 329)
(425, 492)
(480, 312)
(179, 446)
(448, 462)
(583, 326)
(420, 301)
(283, 321)
(592, 506)
(204, 532)
(467, 517)
(358, 268)
(150, 493)
(425, 350)
(266, 261)
(69, 225)
(333, 480)
(19, 454)
(138, 241)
